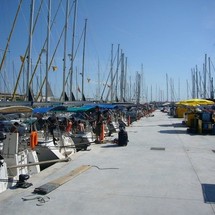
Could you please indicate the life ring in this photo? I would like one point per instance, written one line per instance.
(33, 139)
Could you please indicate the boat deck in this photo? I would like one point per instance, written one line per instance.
(163, 170)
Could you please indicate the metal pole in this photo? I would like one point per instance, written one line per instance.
(65, 45)
(8, 41)
(72, 54)
(47, 49)
(117, 71)
(85, 29)
(29, 50)
(111, 76)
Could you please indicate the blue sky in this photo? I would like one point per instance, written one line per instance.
(165, 36)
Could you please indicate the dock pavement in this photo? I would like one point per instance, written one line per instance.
(163, 170)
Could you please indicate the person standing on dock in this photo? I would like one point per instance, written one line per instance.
(98, 121)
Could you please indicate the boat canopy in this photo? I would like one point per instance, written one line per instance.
(195, 102)
(16, 109)
(102, 106)
(49, 109)
(79, 109)
(84, 108)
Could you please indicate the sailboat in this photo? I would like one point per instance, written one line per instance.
(53, 145)
(17, 158)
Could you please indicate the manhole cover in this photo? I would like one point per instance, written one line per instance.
(158, 148)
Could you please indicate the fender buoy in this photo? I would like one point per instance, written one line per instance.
(128, 120)
(69, 127)
(33, 139)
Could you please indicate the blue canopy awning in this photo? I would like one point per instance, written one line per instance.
(79, 109)
(48, 109)
(102, 106)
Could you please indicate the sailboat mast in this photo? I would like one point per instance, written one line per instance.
(72, 53)
(130, 93)
(8, 41)
(197, 83)
(138, 88)
(24, 57)
(111, 75)
(83, 59)
(210, 78)
(200, 84)
(187, 89)
(99, 88)
(205, 77)
(193, 83)
(125, 78)
(29, 50)
(23, 81)
(142, 83)
(122, 77)
(76, 85)
(167, 88)
(47, 49)
(117, 71)
(65, 45)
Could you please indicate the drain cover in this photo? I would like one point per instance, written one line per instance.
(158, 148)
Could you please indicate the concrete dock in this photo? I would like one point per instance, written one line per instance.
(163, 170)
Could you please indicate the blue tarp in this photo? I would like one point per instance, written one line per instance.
(48, 109)
(79, 109)
(84, 108)
(102, 106)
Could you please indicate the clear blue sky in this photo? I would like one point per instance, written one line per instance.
(165, 36)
